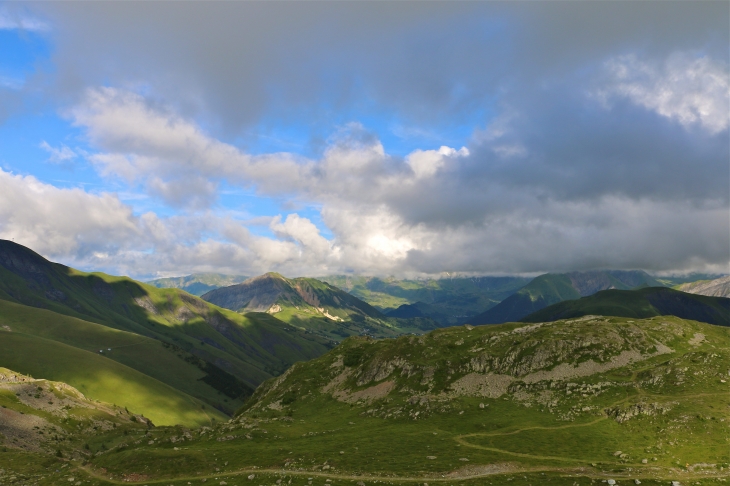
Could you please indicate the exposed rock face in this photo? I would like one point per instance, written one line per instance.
(273, 293)
(32, 432)
(535, 364)
(625, 414)
(588, 283)
(719, 287)
(257, 294)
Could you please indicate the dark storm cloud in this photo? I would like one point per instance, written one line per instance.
(235, 61)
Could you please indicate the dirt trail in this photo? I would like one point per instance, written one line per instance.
(461, 439)
(441, 478)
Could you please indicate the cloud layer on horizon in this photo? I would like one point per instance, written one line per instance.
(611, 152)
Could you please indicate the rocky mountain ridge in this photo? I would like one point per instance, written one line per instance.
(719, 287)
(197, 283)
(312, 305)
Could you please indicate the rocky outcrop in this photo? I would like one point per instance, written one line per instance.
(719, 287)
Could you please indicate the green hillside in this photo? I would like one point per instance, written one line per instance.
(448, 301)
(198, 283)
(103, 379)
(313, 306)
(155, 359)
(213, 354)
(569, 402)
(641, 303)
(539, 293)
(551, 288)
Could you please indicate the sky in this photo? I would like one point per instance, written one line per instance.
(412, 139)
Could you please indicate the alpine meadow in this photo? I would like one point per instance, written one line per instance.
(357, 243)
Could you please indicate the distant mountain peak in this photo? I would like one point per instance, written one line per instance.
(719, 287)
(552, 288)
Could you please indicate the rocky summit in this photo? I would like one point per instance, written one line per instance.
(314, 306)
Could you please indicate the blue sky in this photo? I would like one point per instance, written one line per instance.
(406, 139)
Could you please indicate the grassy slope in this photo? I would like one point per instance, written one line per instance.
(642, 303)
(146, 355)
(177, 318)
(102, 379)
(669, 409)
(170, 315)
(64, 420)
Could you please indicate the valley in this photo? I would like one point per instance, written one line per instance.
(293, 381)
(365, 243)
(169, 346)
(572, 401)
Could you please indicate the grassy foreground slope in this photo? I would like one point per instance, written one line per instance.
(641, 303)
(313, 306)
(568, 402)
(151, 358)
(230, 353)
(103, 379)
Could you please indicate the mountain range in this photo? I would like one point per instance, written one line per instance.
(313, 306)
(106, 380)
(197, 283)
(719, 287)
(176, 351)
(551, 288)
(453, 300)
(641, 303)
(449, 300)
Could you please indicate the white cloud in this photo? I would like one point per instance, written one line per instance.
(17, 21)
(61, 154)
(464, 210)
(62, 221)
(425, 163)
(97, 231)
(304, 232)
(170, 155)
(689, 89)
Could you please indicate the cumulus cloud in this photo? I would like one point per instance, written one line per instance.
(690, 89)
(525, 196)
(98, 231)
(425, 163)
(634, 175)
(63, 221)
(169, 154)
